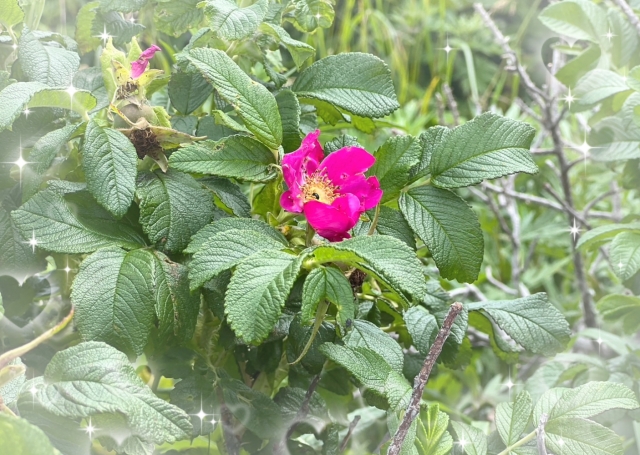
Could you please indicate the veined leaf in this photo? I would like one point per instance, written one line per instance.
(234, 156)
(312, 14)
(530, 321)
(597, 236)
(230, 194)
(231, 22)
(327, 283)
(16, 97)
(389, 259)
(252, 101)
(358, 83)
(257, 292)
(17, 257)
(433, 139)
(49, 219)
(575, 436)
(94, 378)
(19, 437)
(226, 249)
(432, 437)
(367, 335)
(449, 228)
(52, 66)
(394, 160)
(577, 19)
(10, 13)
(625, 308)
(599, 84)
(593, 398)
(188, 90)
(173, 207)
(122, 6)
(487, 147)
(625, 254)
(290, 114)
(226, 224)
(109, 162)
(475, 440)
(392, 223)
(299, 51)
(175, 18)
(512, 418)
(114, 298)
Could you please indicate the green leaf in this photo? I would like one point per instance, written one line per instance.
(299, 51)
(173, 207)
(15, 98)
(230, 194)
(53, 66)
(109, 161)
(577, 19)
(625, 308)
(177, 309)
(252, 101)
(392, 223)
(340, 142)
(312, 14)
(12, 376)
(235, 156)
(175, 18)
(581, 436)
(113, 295)
(394, 160)
(85, 36)
(449, 228)
(367, 335)
(297, 344)
(94, 378)
(266, 202)
(597, 85)
(56, 227)
(593, 398)
(432, 437)
(387, 258)
(257, 292)
(358, 83)
(10, 13)
(122, 6)
(624, 41)
(226, 249)
(512, 418)
(475, 440)
(226, 224)
(487, 147)
(18, 436)
(432, 139)
(625, 254)
(290, 114)
(530, 321)
(231, 22)
(118, 27)
(327, 283)
(188, 90)
(597, 236)
(365, 365)
(17, 257)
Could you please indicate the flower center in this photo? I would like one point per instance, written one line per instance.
(319, 188)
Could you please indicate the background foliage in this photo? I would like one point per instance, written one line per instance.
(204, 322)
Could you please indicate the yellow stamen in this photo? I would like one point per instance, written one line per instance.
(319, 188)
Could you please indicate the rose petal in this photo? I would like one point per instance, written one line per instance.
(149, 53)
(342, 165)
(291, 202)
(333, 221)
(304, 161)
(138, 67)
(372, 199)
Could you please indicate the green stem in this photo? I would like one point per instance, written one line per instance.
(374, 224)
(519, 443)
(322, 310)
(310, 233)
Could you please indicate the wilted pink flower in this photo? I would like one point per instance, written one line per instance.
(138, 67)
(333, 191)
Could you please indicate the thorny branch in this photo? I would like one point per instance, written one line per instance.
(421, 380)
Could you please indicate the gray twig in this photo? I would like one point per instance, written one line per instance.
(626, 9)
(352, 426)
(542, 448)
(421, 380)
(569, 209)
(451, 101)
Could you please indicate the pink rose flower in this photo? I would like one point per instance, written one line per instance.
(138, 67)
(332, 192)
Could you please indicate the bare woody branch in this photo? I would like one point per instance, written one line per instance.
(352, 426)
(413, 410)
(626, 9)
(542, 448)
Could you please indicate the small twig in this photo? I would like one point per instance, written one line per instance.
(511, 57)
(440, 109)
(352, 426)
(615, 200)
(542, 448)
(569, 209)
(514, 215)
(524, 197)
(374, 223)
(280, 446)
(499, 284)
(626, 9)
(421, 380)
(527, 110)
(589, 206)
(451, 101)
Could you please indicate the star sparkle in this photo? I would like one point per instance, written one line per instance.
(569, 98)
(574, 230)
(90, 429)
(609, 35)
(33, 241)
